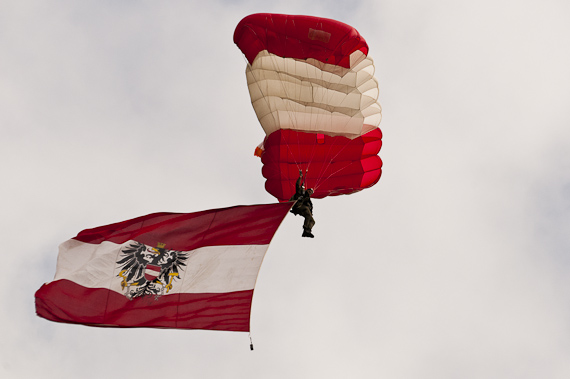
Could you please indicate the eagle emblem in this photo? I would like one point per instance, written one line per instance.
(149, 271)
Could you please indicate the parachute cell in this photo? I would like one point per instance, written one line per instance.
(313, 89)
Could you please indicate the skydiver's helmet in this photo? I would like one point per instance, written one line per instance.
(310, 191)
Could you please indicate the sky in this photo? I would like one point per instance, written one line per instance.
(455, 265)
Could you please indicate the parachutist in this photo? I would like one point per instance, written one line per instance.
(303, 206)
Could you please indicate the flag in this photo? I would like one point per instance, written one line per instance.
(164, 270)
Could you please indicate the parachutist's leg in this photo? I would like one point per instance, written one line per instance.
(307, 234)
(309, 222)
(308, 225)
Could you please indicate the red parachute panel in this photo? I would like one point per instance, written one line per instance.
(336, 165)
(299, 37)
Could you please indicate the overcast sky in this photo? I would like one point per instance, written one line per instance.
(455, 265)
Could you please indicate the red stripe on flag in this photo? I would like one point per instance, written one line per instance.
(240, 225)
(68, 302)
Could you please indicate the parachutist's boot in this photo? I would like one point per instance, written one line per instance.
(308, 234)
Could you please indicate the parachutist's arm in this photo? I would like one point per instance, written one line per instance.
(298, 183)
(298, 188)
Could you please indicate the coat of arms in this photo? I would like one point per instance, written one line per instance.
(149, 271)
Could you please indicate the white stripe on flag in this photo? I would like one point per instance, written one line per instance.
(211, 269)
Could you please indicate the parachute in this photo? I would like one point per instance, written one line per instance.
(313, 89)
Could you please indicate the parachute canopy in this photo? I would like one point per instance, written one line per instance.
(313, 89)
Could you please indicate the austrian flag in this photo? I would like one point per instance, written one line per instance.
(164, 270)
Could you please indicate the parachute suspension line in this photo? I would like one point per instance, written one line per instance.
(257, 80)
(317, 116)
(325, 168)
(294, 118)
(294, 115)
(290, 111)
(328, 158)
(289, 104)
(322, 115)
(327, 100)
(329, 161)
(321, 180)
(300, 129)
(358, 114)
